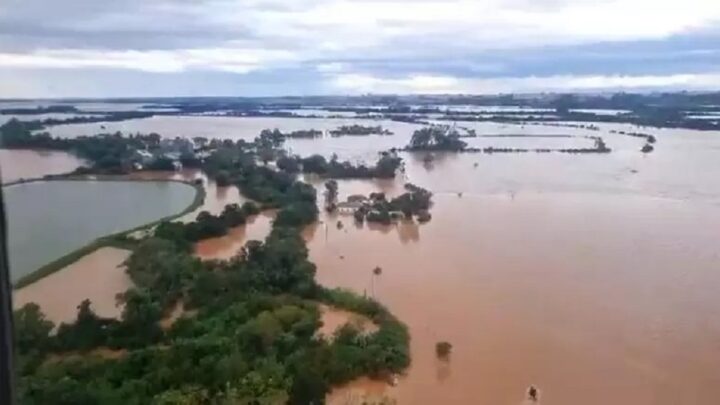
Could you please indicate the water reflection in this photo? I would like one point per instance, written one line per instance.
(408, 231)
(443, 371)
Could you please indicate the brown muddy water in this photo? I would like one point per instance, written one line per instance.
(18, 164)
(593, 277)
(591, 299)
(228, 246)
(98, 276)
(216, 198)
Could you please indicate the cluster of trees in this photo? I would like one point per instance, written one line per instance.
(360, 130)
(309, 133)
(436, 138)
(206, 224)
(108, 153)
(416, 201)
(589, 127)
(281, 136)
(229, 157)
(443, 349)
(599, 147)
(270, 188)
(289, 164)
(386, 166)
(649, 138)
(254, 336)
(440, 138)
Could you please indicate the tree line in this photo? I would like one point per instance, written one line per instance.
(385, 167)
(106, 153)
(360, 130)
(438, 138)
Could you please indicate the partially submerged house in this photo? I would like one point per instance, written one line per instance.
(348, 207)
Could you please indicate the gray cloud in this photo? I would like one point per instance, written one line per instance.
(302, 45)
(125, 24)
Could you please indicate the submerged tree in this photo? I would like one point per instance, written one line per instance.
(331, 194)
(443, 349)
(441, 138)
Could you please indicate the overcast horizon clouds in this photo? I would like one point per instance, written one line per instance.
(124, 48)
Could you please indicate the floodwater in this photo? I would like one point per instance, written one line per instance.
(98, 276)
(17, 164)
(212, 127)
(216, 197)
(593, 277)
(49, 219)
(588, 296)
(228, 246)
(356, 148)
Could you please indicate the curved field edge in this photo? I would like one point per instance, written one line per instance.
(117, 239)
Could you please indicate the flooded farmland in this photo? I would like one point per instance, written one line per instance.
(593, 277)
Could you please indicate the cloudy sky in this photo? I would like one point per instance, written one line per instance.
(116, 48)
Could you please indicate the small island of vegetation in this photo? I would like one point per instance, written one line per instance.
(415, 202)
(386, 167)
(436, 138)
(360, 130)
(439, 138)
(299, 134)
